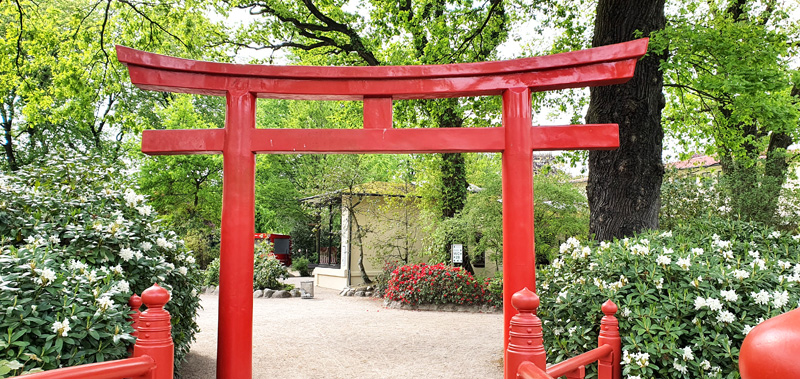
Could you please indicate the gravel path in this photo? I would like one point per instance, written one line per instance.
(355, 338)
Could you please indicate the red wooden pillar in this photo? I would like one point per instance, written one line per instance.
(155, 333)
(609, 367)
(518, 252)
(238, 226)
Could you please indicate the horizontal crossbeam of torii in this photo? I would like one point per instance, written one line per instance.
(377, 87)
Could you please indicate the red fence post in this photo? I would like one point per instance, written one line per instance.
(135, 302)
(155, 333)
(525, 342)
(771, 349)
(609, 335)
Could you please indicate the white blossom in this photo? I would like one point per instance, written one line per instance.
(727, 254)
(697, 251)
(779, 299)
(687, 354)
(145, 210)
(146, 246)
(663, 260)
(747, 328)
(761, 297)
(758, 262)
(105, 303)
(705, 364)
(117, 269)
(713, 304)
(190, 259)
(183, 270)
(726, 316)
(729, 295)
(126, 254)
(666, 234)
(775, 234)
(741, 274)
(754, 254)
(46, 276)
(61, 328)
(680, 367)
(684, 263)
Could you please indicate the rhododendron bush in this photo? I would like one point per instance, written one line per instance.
(76, 241)
(434, 284)
(687, 297)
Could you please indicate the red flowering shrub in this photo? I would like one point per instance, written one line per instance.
(434, 284)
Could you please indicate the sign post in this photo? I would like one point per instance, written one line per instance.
(457, 253)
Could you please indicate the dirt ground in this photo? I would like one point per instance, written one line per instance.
(345, 337)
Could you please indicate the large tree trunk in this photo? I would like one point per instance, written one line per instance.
(624, 184)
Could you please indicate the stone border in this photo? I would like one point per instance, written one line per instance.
(442, 307)
(265, 293)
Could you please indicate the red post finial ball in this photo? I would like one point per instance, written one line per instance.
(135, 301)
(525, 301)
(609, 308)
(155, 297)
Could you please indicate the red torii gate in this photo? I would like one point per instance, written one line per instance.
(377, 87)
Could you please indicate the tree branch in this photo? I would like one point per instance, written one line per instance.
(19, 36)
(152, 23)
(476, 33)
(695, 90)
(309, 30)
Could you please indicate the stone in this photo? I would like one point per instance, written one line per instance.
(368, 294)
(258, 293)
(344, 291)
(215, 291)
(268, 292)
(350, 292)
(359, 293)
(295, 292)
(281, 294)
(369, 288)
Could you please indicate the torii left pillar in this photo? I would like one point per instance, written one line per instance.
(377, 87)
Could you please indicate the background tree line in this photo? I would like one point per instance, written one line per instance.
(721, 72)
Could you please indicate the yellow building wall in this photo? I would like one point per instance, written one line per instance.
(384, 222)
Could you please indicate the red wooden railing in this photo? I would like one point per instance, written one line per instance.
(152, 354)
(771, 349)
(526, 356)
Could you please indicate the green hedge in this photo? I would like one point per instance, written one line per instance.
(687, 297)
(76, 241)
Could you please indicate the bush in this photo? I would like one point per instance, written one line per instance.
(494, 291)
(382, 280)
(211, 274)
(76, 242)
(434, 284)
(268, 271)
(687, 298)
(301, 266)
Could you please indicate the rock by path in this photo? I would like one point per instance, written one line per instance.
(345, 337)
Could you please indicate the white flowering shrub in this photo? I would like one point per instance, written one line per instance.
(76, 241)
(687, 297)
